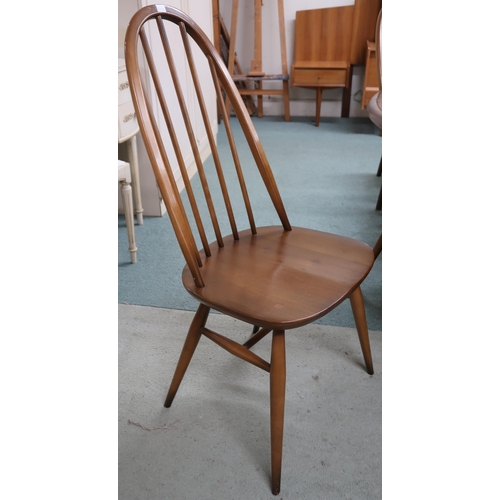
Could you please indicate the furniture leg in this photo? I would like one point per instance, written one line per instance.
(319, 94)
(379, 201)
(379, 174)
(126, 193)
(260, 105)
(277, 383)
(346, 96)
(358, 309)
(134, 174)
(286, 100)
(192, 339)
(378, 246)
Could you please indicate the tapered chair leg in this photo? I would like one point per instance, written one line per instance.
(358, 309)
(277, 383)
(192, 339)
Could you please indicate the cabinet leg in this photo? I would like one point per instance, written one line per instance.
(346, 96)
(319, 94)
(286, 101)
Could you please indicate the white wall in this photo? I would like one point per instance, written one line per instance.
(201, 12)
(302, 101)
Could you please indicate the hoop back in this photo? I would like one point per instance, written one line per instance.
(155, 83)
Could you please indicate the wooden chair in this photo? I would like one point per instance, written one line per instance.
(276, 278)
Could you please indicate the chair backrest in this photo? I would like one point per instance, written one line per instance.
(150, 26)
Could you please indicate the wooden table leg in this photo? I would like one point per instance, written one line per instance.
(346, 96)
(319, 94)
(286, 101)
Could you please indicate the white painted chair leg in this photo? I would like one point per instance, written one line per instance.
(126, 192)
(134, 173)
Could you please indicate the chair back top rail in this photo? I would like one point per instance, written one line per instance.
(147, 23)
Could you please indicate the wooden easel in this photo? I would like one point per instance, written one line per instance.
(256, 74)
(222, 42)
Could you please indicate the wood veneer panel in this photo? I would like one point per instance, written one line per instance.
(364, 22)
(323, 34)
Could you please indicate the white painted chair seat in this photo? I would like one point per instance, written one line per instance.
(124, 179)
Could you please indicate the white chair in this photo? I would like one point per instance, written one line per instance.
(128, 129)
(128, 206)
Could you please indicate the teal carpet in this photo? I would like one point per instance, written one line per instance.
(327, 179)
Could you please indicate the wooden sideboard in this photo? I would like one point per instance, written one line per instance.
(328, 42)
(320, 59)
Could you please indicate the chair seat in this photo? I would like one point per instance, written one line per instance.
(280, 279)
(374, 109)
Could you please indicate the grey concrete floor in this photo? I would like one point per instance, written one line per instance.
(213, 443)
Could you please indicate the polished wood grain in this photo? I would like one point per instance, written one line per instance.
(192, 339)
(275, 278)
(277, 381)
(279, 278)
(371, 79)
(322, 51)
(257, 335)
(256, 65)
(323, 34)
(322, 77)
(364, 21)
(236, 349)
(358, 308)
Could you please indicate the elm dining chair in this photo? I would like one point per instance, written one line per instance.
(276, 278)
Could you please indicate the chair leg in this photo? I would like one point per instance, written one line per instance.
(358, 309)
(378, 246)
(190, 344)
(379, 174)
(277, 384)
(379, 201)
(128, 209)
